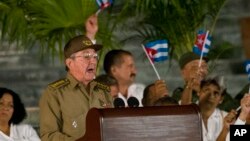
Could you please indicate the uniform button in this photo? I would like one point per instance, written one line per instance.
(74, 124)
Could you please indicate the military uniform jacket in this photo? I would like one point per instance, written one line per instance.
(64, 106)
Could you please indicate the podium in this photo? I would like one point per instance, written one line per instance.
(159, 123)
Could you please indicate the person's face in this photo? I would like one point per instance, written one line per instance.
(210, 94)
(125, 72)
(192, 72)
(114, 90)
(82, 65)
(192, 69)
(6, 108)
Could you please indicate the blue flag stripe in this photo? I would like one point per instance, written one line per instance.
(160, 59)
(247, 64)
(99, 2)
(153, 43)
(196, 50)
(247, 67)
(207, 45)
(161, 48)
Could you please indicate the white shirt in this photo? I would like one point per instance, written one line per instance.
(214, 125)
(20, 132)
(134, 90)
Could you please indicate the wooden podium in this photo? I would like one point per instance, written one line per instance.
(159, 123)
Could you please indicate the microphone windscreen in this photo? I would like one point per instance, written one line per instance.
(118, 102)
(133, 102)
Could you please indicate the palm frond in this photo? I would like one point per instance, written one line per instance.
(176, 20)
(49, 23)
(14, 26)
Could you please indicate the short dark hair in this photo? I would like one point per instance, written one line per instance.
(19, 113)
(114, 57)
(166, 100)
(213, 81)
(145, 99)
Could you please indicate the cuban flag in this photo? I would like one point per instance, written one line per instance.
(202, 43)
(247, 65)
(157, 50)
(102, 4)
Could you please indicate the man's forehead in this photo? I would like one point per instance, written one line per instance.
(89, 50)
(127, 59)
(196, 63)
(211, 85)
(193, 63)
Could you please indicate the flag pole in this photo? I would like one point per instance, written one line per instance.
(237, 110)
(152, 64)
(98, 11)
(204, 43)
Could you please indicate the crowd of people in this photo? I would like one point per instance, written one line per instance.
(65, 103)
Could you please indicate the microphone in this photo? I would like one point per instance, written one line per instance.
(118, 103)
(133, 102)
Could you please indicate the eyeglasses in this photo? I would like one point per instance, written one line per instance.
(87, 56)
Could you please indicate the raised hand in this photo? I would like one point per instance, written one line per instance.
(245, 107)
(91, 26)
(160, 88)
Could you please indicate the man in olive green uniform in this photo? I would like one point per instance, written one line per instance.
(65, 103)
(192, 74)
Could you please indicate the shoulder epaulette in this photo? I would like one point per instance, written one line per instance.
(59, 83)
(102, 86)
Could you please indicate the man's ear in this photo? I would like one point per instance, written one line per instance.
(68, 62)
(184, 74)
(113, 70)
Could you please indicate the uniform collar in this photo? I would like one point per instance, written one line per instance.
(73, 81)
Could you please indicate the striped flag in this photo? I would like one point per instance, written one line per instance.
(202, 43)
(102, 4)
(157, 50)
(247, 65)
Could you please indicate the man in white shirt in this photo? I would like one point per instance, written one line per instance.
(120, 64)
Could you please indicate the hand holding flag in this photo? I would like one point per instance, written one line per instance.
(156, 51)
(102, 4)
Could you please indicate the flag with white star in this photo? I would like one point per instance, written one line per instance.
(202, 43)
(102, 4)
(157, 50)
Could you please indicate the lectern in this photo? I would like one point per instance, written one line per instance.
(159, 123)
